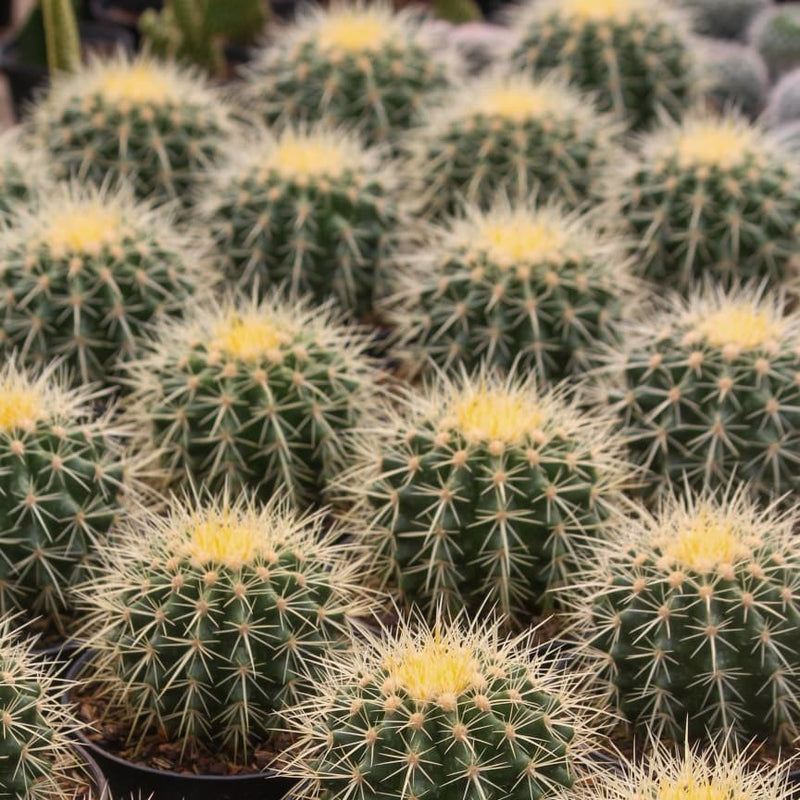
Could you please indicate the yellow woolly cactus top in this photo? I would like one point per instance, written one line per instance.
(600, 10)
(354, 30)
(226, 537)
(724, 143)
(707, 539)
(82, 227)
(519, 237)
(739, 325)
(250, 337)
(693, 787)
(519, 99)
(312, 155)
(21, 405)
(139, 82)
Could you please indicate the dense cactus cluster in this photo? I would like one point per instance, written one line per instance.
(710, 584)
(512, 133)
(359, 64)
(153, 123)
(310, 208)
(517, 285)
(714, 196)
(634, 53)
(22, 172)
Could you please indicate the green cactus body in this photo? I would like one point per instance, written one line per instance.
(61, 34)
(85, 276)
(363, 66)
(510, 133)
(736, 77)
(723, 19)
(775, 33)
(697, 610)
(518, 285)
(61, 479)
(310, 209)
(708, 392)
(442, 713)
(483, 492)
(208, 618)
(784, 104)
(257, 396)
(22, 174)
(712, 198)
(153, 123)
(634, 54)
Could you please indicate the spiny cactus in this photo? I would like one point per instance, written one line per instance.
(242, 394)
(723, 19)
(513, 133)
(86, 274)
(480, 490)
(784, 103)
(697, 611)
(206, 620)
(447, 711)
(312, 208)
(634, 54)
(775, 33)
(154, 123)
(362, 65)
(36, 759)
(61, 478)
(517, 285)
(22, 173)
(708, 389)
(713, 197)
(736, 76)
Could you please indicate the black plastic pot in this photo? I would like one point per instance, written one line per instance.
(99, 783)
(126, 779)
(58, 658)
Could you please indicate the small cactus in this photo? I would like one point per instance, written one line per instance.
(696, 609)
(204, 620)
(23, 172)
(723, 19)
(784, 103)
(775, 33)
(312, 208)
(153, 123)
(62, 475)
(443, 711)
(514, 133)
(86, 275)
(359, 64)
(635, 54)
(736, 77)
(479, 491)
(259, 395)
(713, 197)
(708, 392)
(520, 285)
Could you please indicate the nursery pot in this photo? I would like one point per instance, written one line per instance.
(99, 783)
(126, 778)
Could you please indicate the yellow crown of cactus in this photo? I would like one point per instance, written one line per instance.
(82, 227)
(251, 336)
(359, 29)
(601, 10)
(520, 97)
(741, 326)
(137, 83)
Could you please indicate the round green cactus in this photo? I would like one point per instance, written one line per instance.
(696, 609)
(518, 285)
(482, 491)
(784, 103)
(775, 33)
(86, 274)
(512, 133)
(737, 77)
(447, 711)
(156, 124)
(362, 65)
(62, 475)
(713, 197)
(634, 54)
(205, 619)
(259, 395)
(312, 208)
(723, 19)
(708, 391)
(22, 173)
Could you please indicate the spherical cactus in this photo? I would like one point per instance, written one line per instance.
(154, 123)
(775, 33)
(784, 103)
(634, 54)
(723, 19)
(513, 133)
(85, 274)
(36, 760)
(445, 711)
(313, 209)
(253, 395)
(709, 392)
(363, 65)
(713, 197)
(736, 77)
(61, 479)
(517, 285)
(206, 620)
(696, 609)
(22, 172)
(482, 491)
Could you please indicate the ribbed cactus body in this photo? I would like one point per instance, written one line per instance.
(22, 174)
(714, 198)
(86, 275)
(737, 77)
(775, 33)
(311, 210)
(483, 493)
(367, 67)
(257, 396)
(634, 54)
(698, 611)
(708, 393)
(784, 103)
(517, 285)
(153, 123)
(510, 133)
